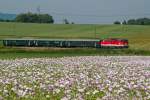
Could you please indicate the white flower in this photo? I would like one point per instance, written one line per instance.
(67, 91)
(81, 90)
(132, 82)
(107, 73)
(61, 85)
(148, 87)
(21, 93)
(1, 98)
(47, 96)
(110, 88)
(95, 91)
(148, 97)
(57, 91)
(5, 91)
(87, 93)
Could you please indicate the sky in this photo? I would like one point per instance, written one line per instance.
(81, 11)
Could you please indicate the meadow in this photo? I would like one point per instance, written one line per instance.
(138, 36)
(76, 78)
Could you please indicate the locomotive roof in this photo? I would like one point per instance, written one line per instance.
(53, 39)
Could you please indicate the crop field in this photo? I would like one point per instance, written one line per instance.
(138, 36)
(76, 78)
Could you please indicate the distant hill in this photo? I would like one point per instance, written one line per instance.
(6, 16)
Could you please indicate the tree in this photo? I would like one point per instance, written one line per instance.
(45, 18)
(143, 21)
(117, 22)
(72, 23)
(34, 18)
(1, 20)
(21, 18)
(140, 21)
(124, 22)
(66, 21)
(6, 20)
(132, 22)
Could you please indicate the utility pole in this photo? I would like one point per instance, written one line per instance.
(38, 10)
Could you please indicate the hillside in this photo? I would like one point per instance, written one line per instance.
(138, 36)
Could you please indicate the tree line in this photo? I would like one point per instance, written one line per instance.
(6, 20)
(46, 18)
(139, 21)
(31, 18)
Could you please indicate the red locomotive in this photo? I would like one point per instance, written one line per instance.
(114, 43)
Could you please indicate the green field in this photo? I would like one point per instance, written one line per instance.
(138, 36)
(12, 53)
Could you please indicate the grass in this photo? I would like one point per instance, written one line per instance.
(12, 53)
(138, 36)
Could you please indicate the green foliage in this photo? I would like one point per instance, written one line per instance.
(117, 22)
(34, 18)
(143, 21)
(1, 20)
(66, 21)
(6, 20)
(124, 22)
(12, 53)
(132, 22)
(140, 21)
(132, 94)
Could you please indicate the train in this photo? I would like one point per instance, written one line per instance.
(68, 43)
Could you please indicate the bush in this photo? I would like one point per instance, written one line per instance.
(140, 21)
(117, 22)
(34, 18)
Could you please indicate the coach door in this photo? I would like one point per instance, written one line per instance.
(31, 43)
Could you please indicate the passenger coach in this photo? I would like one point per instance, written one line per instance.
(67, 43)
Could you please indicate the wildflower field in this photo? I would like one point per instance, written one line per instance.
(76, 78)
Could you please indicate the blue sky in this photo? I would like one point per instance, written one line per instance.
(81, 11)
